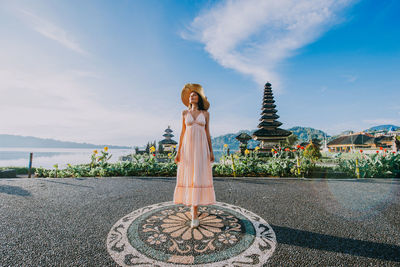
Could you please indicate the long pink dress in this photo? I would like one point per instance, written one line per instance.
(194, 181)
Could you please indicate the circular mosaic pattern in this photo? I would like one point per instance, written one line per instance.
(160, 235)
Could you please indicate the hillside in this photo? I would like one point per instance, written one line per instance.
(386, 127)
(371, 130)
(7, 140)
(305, 133)
(229, 139)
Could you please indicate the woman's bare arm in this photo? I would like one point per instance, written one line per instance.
(182, 132)
(208, 131)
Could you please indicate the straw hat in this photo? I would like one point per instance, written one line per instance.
(190, 87)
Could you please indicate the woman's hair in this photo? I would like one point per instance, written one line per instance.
(200, 103)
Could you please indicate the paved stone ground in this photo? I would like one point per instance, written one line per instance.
(65, 221)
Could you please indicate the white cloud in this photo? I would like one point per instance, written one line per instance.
(66, 99)
(70, 100)
(253, 36)
(351, 78)
(323, 89)
(60, 105)
(52, 31)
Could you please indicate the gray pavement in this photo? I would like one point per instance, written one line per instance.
(317, 222)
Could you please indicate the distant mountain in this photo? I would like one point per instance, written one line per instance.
(233, 144)
(7, 140)
(305, 133)
(386, 127)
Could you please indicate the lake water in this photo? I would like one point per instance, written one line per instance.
(47, 157)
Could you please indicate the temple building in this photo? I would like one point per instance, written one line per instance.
(269, 134)
(167, 143)
(361, 140)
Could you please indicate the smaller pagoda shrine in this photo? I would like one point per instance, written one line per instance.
(243, 138)
(314, 141)
(167, 143)
(269, 134)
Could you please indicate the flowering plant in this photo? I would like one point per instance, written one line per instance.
(101, 159)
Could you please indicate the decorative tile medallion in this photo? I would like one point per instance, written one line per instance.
(160, 235)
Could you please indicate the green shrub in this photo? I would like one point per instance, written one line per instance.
(380, 165)
(312, 152)
(250, 165)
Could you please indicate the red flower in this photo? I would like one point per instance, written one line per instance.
(380, 148)
(394, 152)
(385, 150)
(361, 151)
(298, 146)
(377, 152)
(154, 154)
(302, 147)
(287, 149)
(275, 152)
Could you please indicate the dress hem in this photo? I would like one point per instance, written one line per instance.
(189, 205)
(195, 186)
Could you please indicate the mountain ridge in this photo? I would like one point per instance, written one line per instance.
(302, 133)
(8, 140)
(385, 127)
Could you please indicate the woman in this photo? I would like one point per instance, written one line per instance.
(194, 183)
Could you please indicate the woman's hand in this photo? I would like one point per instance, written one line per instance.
(212, 157)
(177, 158)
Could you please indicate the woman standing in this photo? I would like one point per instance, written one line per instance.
(194, 183)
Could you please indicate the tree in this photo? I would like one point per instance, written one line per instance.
(291, 140)
(160, 148)
(312, 152)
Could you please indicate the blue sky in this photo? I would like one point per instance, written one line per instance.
(112, 71)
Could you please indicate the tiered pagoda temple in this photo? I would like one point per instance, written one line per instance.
(269, 134)
(168, 143)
